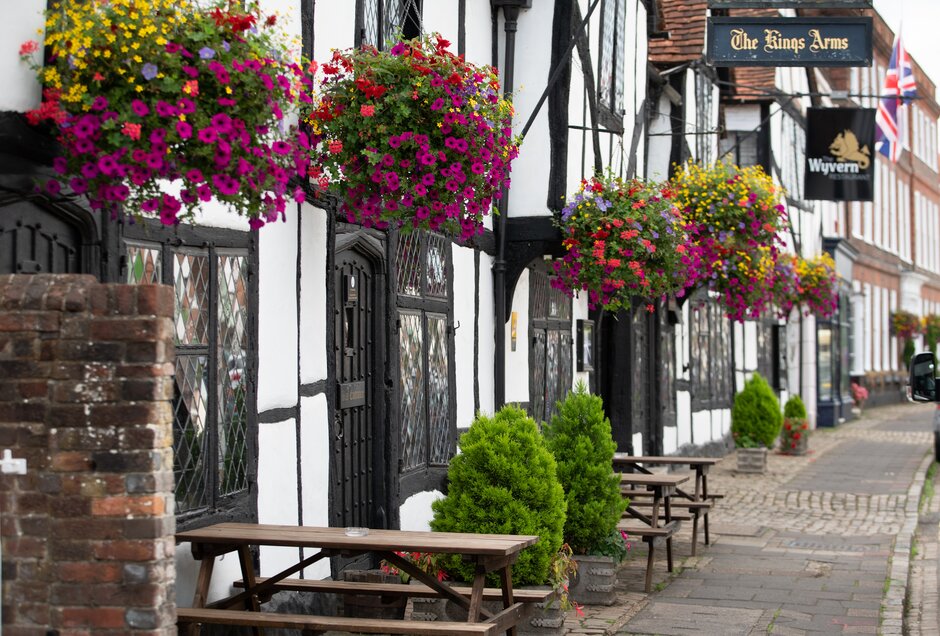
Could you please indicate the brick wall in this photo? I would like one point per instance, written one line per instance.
(86, 381)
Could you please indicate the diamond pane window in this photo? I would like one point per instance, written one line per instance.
(191, 284)
(212, 425)
(426, 343)
(143, 264)
(383, 20)
(610, 81)
(413, 414)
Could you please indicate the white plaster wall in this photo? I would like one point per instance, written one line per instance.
(670, 440)
(750, 345)
(579, 311)
(532, 60)
(415, 512)
(479, 32)
(334, 26)
(683, 418)
(277, 315)
(20, 23)
(487, 344)
(463, 337)
(808, 366)
(277, 489)
(442, 17)
(517, 362)
(225, 570)
(315, 472)
(638, 444)
(288, 18)
(313, 249)
(660, 146)
(701, 426)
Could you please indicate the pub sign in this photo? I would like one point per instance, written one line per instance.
(840, 154)
(801, 41)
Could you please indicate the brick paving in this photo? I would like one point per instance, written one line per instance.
(818, 544)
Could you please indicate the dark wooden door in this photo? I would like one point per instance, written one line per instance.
(37, 241)
(356, 466)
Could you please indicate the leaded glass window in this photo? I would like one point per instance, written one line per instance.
(425, 343)
(710, 355)
(610, 79)
(551, 365)
(211, 423)
(379, 21)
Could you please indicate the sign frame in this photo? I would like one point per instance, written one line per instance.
(713, 57)
(789, 4)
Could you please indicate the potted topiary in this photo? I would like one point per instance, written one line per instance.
(580, 438)
(504, 480)
(794, 437)
(755, 424)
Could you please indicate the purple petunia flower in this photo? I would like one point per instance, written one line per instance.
(208, 135)
(100, 103)
(139, 108)
(206, 53)
(149, 71)
(184, 130)
(398, 50)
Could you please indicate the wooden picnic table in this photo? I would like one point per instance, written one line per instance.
(699, 498)
(658, 526)
(489, 552)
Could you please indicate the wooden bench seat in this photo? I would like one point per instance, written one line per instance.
(312, 624)
(397, 589)
(676, 516)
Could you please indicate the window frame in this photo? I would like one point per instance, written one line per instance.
(610, 114)
(426, 475)
(708, 389)
(412, 21)
(214, 243)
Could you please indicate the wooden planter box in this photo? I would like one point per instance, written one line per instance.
(594, 583)
(752, 460)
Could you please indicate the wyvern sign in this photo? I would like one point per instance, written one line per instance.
(840, 160)
(789, 4)
(789, 41)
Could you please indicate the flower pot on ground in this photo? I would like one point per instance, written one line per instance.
(196, 108)
(580, 438)
(624, 239)
(755, 423)
(414, 137)
(794, 436)
(504, 480)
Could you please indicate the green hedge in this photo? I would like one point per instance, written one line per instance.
(504, 481)
(755, 415)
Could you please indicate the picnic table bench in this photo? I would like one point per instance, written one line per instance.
(657, 524)
(489, 552)
(698, 503)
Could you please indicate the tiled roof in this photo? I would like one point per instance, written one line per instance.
(684, 20)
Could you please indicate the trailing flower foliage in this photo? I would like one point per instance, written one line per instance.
(735, 219)
(160, 105)
(416, 137)
(623, 239)
(932, 330)
(818, 284)
(905, 325)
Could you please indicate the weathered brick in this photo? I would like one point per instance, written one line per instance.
(103, 415)
(122, 506)
(151, 528)
(72, 461)
(32, 389)
(89, 572)
(155, 300)
(87, 528)
(137, 550)
(62, 551)
(126, 461)
(89, 350)
(24, 547)
(67, 506)
(97, 617)
(86, 392)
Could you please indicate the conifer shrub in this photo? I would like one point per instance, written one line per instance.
(755, 415)
(794, 409)
(579, 437)
(504, 481)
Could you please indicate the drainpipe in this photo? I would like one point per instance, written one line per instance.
(510, 22)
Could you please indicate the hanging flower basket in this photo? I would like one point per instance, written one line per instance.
(818, 285)
(624, 239)
(736, 222)
(164, 105)
(415, 137)
(905, 325)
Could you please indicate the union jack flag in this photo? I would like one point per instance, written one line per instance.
(899, 89)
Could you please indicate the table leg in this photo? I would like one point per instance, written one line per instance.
(699, 475)
(201, 595)
(505, 578)
(476, 597)
(705, 498)
(654, 522)
(252, 602)
(668, 506)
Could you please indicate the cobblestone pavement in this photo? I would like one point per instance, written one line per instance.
(819, 544)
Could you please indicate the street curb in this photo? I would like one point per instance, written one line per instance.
(892, 605)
